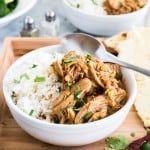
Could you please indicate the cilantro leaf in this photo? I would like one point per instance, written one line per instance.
(31, 112)
(71, 59)
(132, 134)
(69, 84)
(87, 116)
(24, 75)
(77, 93)
(88, 58)
(78, 5)
(39, 79)
(117, 143)
(34, 66)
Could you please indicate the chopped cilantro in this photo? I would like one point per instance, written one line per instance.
(24, 76)
(21, 77)
(39, 79)
(77, 109)
(87, 116)
(117, 143)
(77, 93)
(34, 66)
(132, 134)
(88, 57)
(71, 59)
(145, 146)
(69, 85)
(78, 5)
(16, 81)
(31, 112)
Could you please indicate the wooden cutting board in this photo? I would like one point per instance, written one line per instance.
(12, 137)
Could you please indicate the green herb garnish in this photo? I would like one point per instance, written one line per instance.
(21, 77)
(94, 2)
(24, 76)
(88, 57)
(71, 59)
(69, 85)
(77, 109)
(132, 134)
(13, 94)
(77, 93)
(7, 6)
(39, 79)
(145, 146)
(117, 143)
(78, 5)
(34, 66)
(31, 112)
(87, 116)
(16, 81)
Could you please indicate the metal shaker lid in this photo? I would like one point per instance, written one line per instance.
(29, 23)
(50, 16)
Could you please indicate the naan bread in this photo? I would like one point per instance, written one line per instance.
(135, 48)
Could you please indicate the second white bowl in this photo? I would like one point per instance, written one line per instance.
(22, 7)
(105, 25)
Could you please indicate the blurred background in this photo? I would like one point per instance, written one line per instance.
(37, 12)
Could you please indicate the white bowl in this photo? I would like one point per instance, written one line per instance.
(22, 7)
(69, 135)
(105, 25)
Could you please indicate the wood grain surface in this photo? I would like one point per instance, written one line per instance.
(12, 137)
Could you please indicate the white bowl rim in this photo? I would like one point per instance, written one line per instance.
(49, 124)
(8, 17)
(107, 16)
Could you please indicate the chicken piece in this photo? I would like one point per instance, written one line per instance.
(63, 95)
(58, 68)
(101, 72)
(98, 104)
(96, 116)
(74, 67)
(67, 99)
(116, 7)
(115, 70)
(141, 3)
(67, 102)
(70, 115)
(65, 116)
(115, 95)
(62, 118)
(95, 74)
(84, 86)
(115, 4)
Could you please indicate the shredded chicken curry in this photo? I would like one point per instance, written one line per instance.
(116, 7)
(91, 89)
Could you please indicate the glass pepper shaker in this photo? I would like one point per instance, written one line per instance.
(50, 26)
(29, 29)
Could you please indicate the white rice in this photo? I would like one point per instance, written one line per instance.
(34, 98)
(89, 6)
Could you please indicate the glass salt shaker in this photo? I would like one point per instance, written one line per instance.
(50, 26)
(29, 29)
